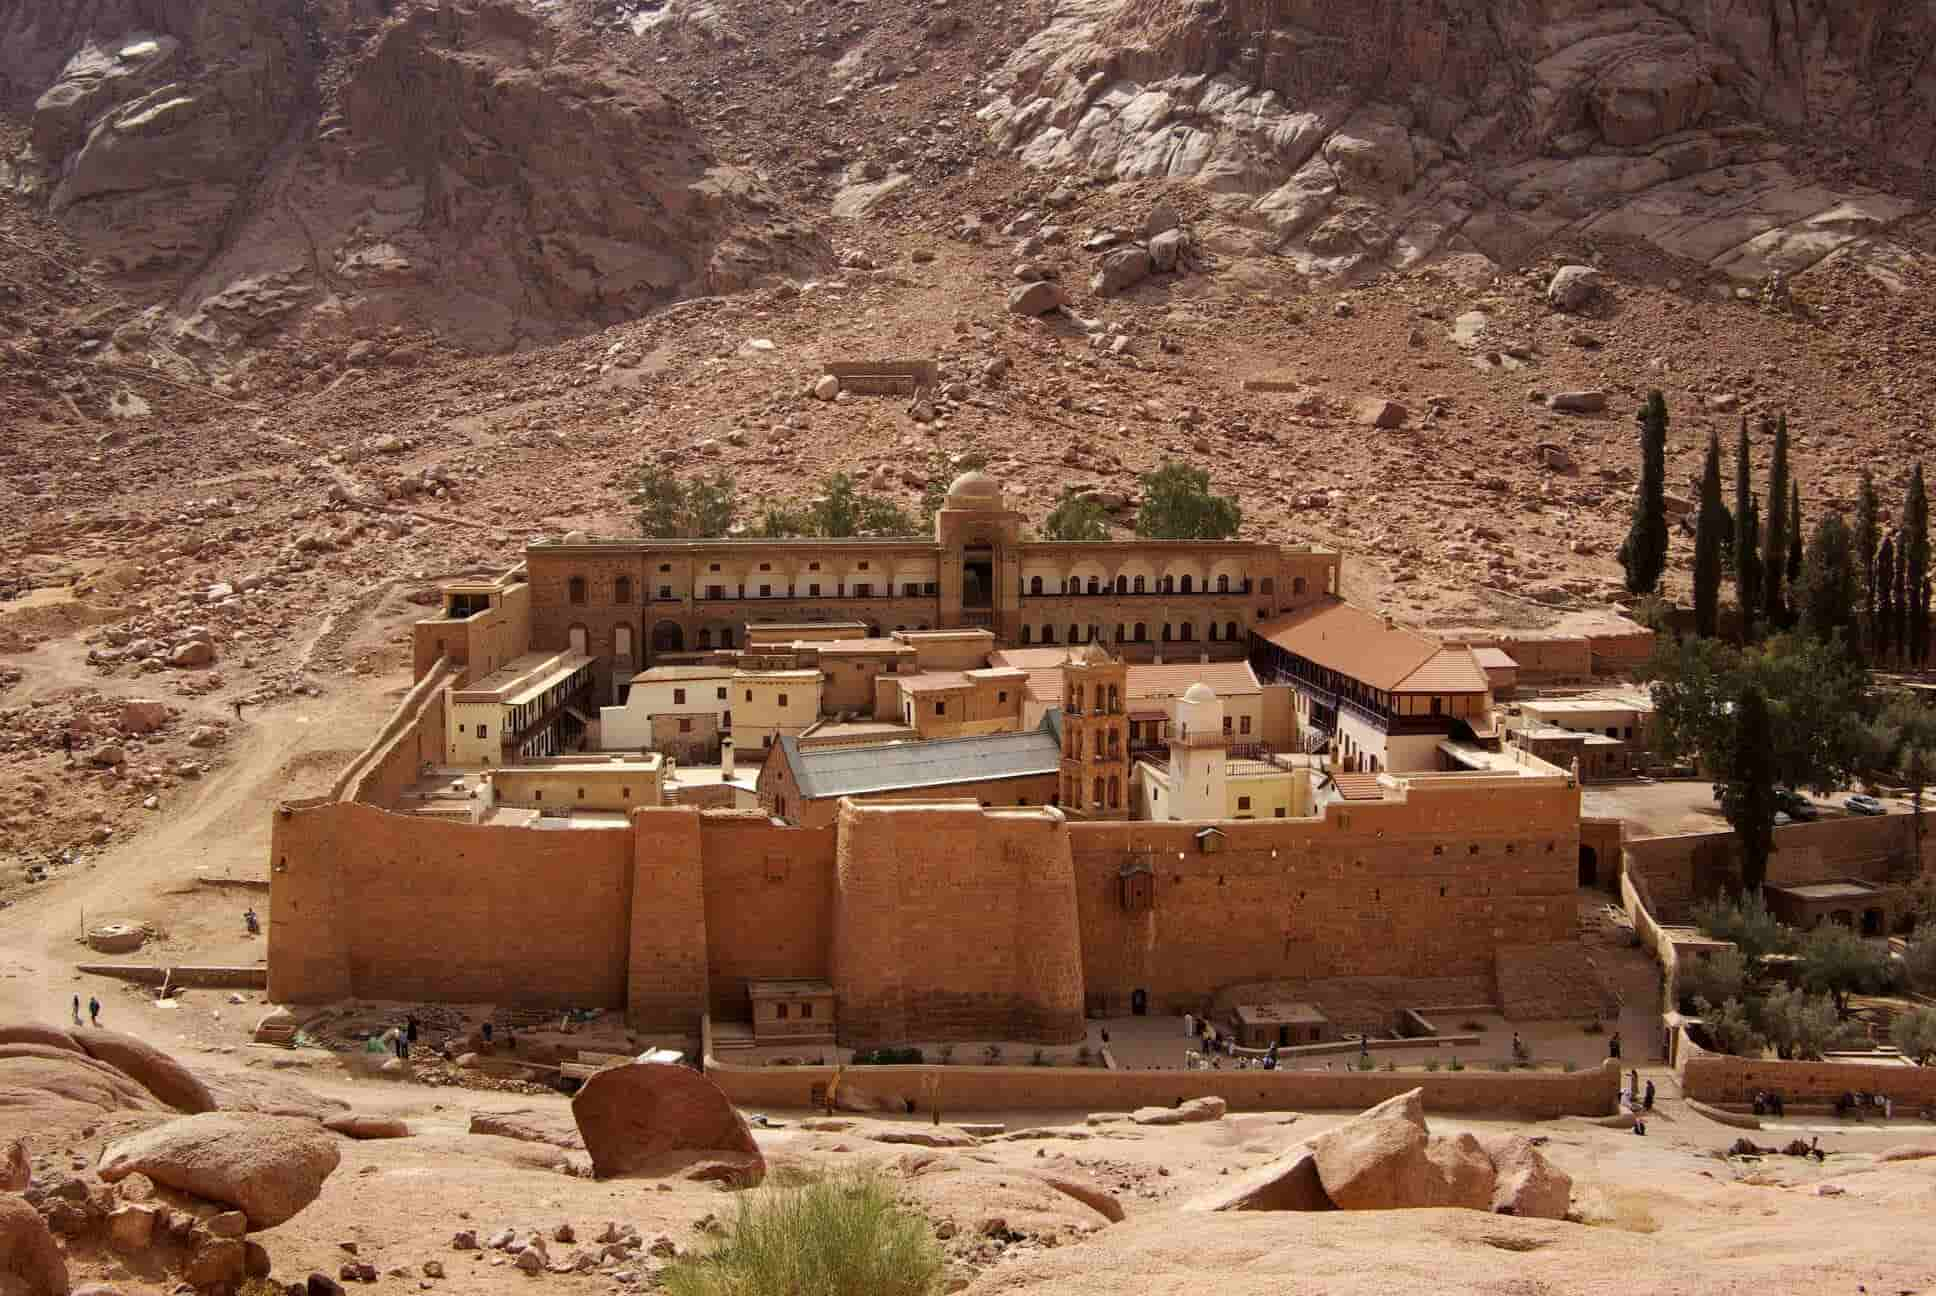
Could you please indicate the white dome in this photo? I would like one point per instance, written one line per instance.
(576, 537)
(1199, 692)
(975, 490)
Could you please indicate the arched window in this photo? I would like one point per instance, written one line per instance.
(1098, 742)
(705, 639)
(1189, 632)
(726, 637)
(1092, 586)
(1115, 792)
(1166, 632)
(1142, 633)
(1223, 584)
(1075, 699)
(1186, 584)
(1269, 586)
(1213, 632)
(1119, 632)
(1139, 584)
(1166, 585)
(622, 590)
(1025, 634)
(1048, 634)
(1115, 700)
(575, 589)
(1230, 630)
(1035, 584)
(1122, 584)
(1075, 634)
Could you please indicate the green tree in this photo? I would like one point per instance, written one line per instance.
(1795, 544)
(1774, 542)
(661, 500)
(782, 521)
(1903, 749)
(1915, 583)
(1076, 518)
(1731, 1028)
(1835, 961)
(1913, 1032)
(1644, 552)
(1801, 1025)
(1744, 920)
(1717, 978)
(1828, 592)
(1711, 527)
(884, 517)
(836, 512)
(1884, 591)
(941, 474)
(1178, 505)
(1748, 787)
(1747, 529)
(711, 504)
(1865, 539)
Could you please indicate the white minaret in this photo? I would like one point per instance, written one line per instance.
(1198, 749)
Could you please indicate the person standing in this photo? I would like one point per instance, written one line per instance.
(410, 1032)
(1613, 1046)
(1189, 1024)
(77, 1010)
(94, 1010)
(1648, 1101)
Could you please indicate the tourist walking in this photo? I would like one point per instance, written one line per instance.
(77, 1010)
(1613, 1046)
(94, 1010)
(1648, 1102)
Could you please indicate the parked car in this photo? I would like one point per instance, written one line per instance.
(1781, 819)
(1795, 805)
(1863, 804)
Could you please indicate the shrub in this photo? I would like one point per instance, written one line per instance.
(1082, 1056)
(1366, 1064)
(831, 1238)
(1730, 1029)
(1569, 1067)
(1456, 1065)
(1717, 978)
(993, 1053)
(1391, 1066)
(946, 1053)
(1039, 1058)
(1502, 1067)
(1431, 1064)
(1801, 1025)
(1913, 1032)
(1747, 923)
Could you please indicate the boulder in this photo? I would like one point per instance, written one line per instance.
(149, 1067)
(1290, 1183)
(1377, 1160)
(1120, 269)
(16, 1167)
(1573, 288)
(357, 1125)
(1908, 1152)
(1525, 1182)
(131, 1227)
(1088, 1194)
(1578, 402)
(1166, 250)
(142, 716)
(191, 654)
(1462, 1173)
(529, 1125)
(1161, 220)
(1376, 411)
(634, 1118)
(216, 1260)
(1197, 1109)
(30, 1260)
(1037, 298)
(269, 1167)
(826, 387)
(54, 1084)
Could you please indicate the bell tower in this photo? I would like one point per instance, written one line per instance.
(1095, 734)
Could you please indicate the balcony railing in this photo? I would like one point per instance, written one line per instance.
(1110, 591)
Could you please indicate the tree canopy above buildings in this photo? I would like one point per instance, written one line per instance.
(1179, 505)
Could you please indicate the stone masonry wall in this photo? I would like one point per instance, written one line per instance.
(952, 923)
(1377, 889)
(378, 905)
(769, 905)
(1695, 866)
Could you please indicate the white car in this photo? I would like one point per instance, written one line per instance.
(1863, 804)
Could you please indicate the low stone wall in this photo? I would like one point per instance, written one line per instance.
(1527, 1094)
(202, 976)
(413, 734)
(1721, 1078)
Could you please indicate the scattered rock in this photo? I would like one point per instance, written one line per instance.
(16, 1167)
(1526, 1183)
(1089, 1195)
(1578, 402)
(191, 654)
(30, 1260)
(1375, 411)
(1166, 250)
(826, 387)
(1197, 1109)
(1289, 1183)
(1120, 269)
(1037, 298)
(358, 1126)
(1574, 288)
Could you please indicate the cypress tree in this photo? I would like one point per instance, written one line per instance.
(1900, 628)
(1915, 513)
(1748, 792)
(1774, 547)
(1795, 545)
(1644, 553)
(1865, 540)
(1711, 525)
(1884, 589)
(1828, 596)
(1747, 560)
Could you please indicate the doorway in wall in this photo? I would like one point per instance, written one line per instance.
(1139, 1003)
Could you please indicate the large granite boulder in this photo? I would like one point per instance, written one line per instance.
(162, 1076)
(644, 1117)
(30, 1259)
(268, 1167)
(1526, 1182)
(1289, 1183)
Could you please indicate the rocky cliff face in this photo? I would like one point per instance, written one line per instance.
(1383, 133)
(332, 165)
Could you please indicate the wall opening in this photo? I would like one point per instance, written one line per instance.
(1589, 867)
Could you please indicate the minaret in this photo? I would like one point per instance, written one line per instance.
(1095, 734)
(1198, 751)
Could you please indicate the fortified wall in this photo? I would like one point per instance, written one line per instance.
(1684, 869)
(931, 920)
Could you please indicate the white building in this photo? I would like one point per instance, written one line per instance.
(688, 691)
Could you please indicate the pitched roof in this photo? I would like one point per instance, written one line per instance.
(1044, 667)
(1374, 651)
(892, 767)
(1171, 679)
(1495, 659)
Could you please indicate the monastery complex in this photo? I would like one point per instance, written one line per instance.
(978, 788)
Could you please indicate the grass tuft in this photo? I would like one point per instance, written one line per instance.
(836, 1237)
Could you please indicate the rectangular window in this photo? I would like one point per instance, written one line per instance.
(806, 1011)
(537, 796)
(749, 695)
(714, 567)
(1243, 803)
(665, 569)
(813, 590)
(766, 566)
(1278, 813)
(626, 793)
(665, 591)
(1243, 724)
(481, 731)
(715, 591)
(941, 708)
(779, 1011)
(1226, 724)
(722, 695)
(678, 697)
(766, 591)
(783, 701)
(1002, 695)
(685, 725)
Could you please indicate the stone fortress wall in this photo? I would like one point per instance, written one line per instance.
(986, 924)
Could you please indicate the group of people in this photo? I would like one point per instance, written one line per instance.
(1633, 1096)
(93, 1010)
(1767, 1103)
(1855, 1102)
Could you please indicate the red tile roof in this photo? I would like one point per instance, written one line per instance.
(1366, 647)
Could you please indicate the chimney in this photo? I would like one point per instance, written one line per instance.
(726, 758)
